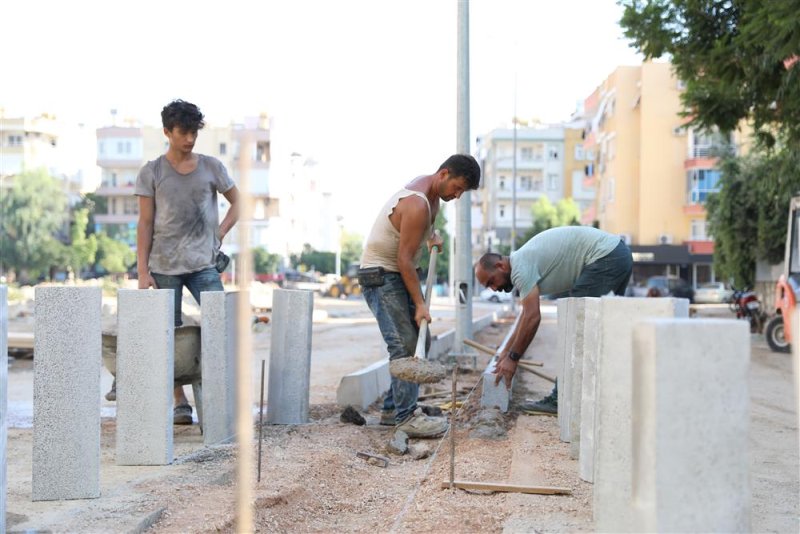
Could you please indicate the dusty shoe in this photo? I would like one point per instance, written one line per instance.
(112, 393)
(420, 425)
(387, 418)
(182, 415)
(546, 406)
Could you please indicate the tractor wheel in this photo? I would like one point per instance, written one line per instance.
(775, 335)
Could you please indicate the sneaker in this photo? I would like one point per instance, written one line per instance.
(112, 393)
(420, 425)
(387, 418)
(182, 415)
(546, 406)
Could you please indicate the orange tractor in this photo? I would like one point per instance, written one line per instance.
(779, 328)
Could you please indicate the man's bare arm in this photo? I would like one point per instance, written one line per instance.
(232, 196)
(412, 215)
(521, 337)
(144, 241)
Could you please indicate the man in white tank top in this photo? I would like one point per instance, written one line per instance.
(390, 283)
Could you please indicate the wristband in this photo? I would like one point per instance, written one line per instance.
(514, 356)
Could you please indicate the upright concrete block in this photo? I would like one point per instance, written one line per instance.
(290, 357)
(497, 396)
(591, 348)
(218, 365)
(66, 393)
(578, 315)
(614, 382)
(691, 413)
(145, 373)
(3, 401)
(566, 332)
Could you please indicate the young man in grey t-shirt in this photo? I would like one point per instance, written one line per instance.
(179, 234)
(583, 260)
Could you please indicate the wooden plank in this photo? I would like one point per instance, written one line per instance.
(525, 367)
(508, 488)
(489, 350)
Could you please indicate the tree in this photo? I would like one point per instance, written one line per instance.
(443, 258)
(83, 247)
(738, 59)
(309, 258)
(748, 216)
(546, 215)
(31, 214)
(265, 262)
(113, 256)
(352, 246)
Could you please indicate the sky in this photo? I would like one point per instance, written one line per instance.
(366, 88)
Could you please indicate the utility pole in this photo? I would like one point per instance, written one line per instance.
(463, 241)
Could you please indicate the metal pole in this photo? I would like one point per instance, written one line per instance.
(260, 421)
(514, 175)
(463, 243)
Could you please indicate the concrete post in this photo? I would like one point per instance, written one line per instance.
(66, 393)
(614, 377)
(290, 357)
(3, 402)
(566, 336)
(498, 396)
(218, 363)
(576, 345)
(591, 348)
(145, 376)
(691, 414)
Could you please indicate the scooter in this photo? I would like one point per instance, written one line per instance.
(745, 305)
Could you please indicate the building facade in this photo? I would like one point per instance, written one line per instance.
(651, 173)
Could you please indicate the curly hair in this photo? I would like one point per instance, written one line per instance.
(183, 114)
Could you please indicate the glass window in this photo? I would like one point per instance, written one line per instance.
(578, 152)
(701, 183)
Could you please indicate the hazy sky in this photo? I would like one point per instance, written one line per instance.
(366, 87)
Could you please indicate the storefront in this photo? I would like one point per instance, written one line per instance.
(671, 260)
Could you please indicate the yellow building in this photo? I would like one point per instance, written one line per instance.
(651, 173)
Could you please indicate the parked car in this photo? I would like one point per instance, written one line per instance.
(491, 295)
(713, 293)
(665, 286)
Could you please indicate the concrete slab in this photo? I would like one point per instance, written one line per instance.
(497, 396)
(145, 376)
(566, 333)
(66, 403)
(591, 349)
(576, 345)
(3, 402)
(690, 420)
(218, 364)
(614, 377)
(290, 357)
(365, 386)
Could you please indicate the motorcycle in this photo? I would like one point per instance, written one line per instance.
(745, 305)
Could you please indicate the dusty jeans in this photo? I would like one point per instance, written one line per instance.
(197, 282)
(392, 306)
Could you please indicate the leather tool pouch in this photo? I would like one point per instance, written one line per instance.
(371, 276)
(222, 261)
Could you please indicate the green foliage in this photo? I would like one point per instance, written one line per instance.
(113, 256)
(265, 262)
(314, 260)
(547, 215)
(748, 217)
(31, 214)
(443, 258)
(734, 56)
(352, 246)
(83, 248)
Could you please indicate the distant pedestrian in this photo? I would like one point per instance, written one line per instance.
(583, 260)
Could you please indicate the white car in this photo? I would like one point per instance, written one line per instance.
(491, 295)
(713, 293)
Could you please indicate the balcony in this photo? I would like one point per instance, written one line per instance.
(105, 218)
(106, 190)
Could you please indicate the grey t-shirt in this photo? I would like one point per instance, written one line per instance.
(554, 259)
(186, 216)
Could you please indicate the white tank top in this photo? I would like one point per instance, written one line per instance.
(380, 249)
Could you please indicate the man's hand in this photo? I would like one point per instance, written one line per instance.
(422, 313)
(146, 281)
(435, 240)
(505, 368)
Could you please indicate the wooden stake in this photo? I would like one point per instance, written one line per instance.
(260, 421)
(510, 488)
(488, 350)
(453, 430)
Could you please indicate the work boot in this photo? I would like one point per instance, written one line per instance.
(387, 418)
(420, 425)
(182, 415)
(112, 393)
(546, 406)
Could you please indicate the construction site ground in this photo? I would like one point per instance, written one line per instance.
(313, 481)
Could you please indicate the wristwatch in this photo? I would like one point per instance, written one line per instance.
(515, 356)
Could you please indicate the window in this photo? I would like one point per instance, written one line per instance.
(223, 148)
(553, 153)
(130, 206)
(262, 151)
(537, 152)
(14, 140)
(701, 182)
(502, 182)
(537, 183)
(579, 152)
(698, 230)
(552, 182)
(525, 183)
(113, 179)
(526, 153)
(120, 147)
(502, 209)
(589, 154)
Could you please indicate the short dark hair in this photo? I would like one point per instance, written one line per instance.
(465, 166)
(488, 260)
(183, 114)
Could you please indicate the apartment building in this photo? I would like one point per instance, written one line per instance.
(122, 150)
(549, 163)
(651, 173)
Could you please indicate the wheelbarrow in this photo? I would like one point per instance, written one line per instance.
(187, 360)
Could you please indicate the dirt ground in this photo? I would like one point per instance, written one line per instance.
(312, 480)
